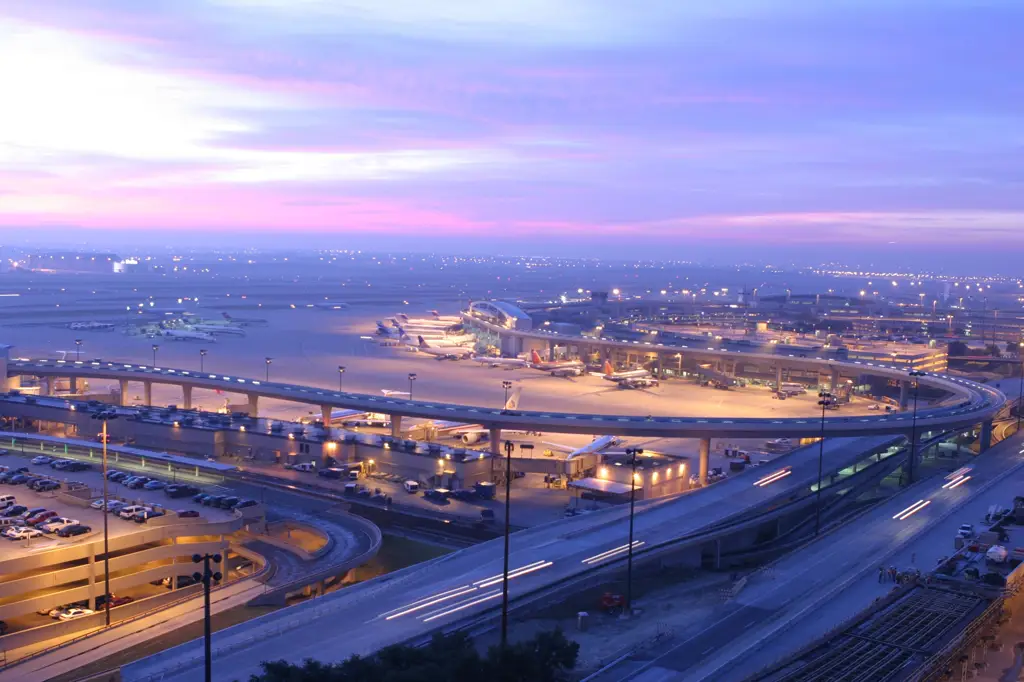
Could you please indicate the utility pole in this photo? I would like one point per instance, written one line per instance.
(207, 577)
(509, 447)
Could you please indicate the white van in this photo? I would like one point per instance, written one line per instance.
(129, 511)
(8, 523)
(411, 487)
(6, 501)
(305, 466)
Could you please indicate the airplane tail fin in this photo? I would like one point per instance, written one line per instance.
(513, 400)
(535, 357)
(435, 313)
(608, 369)
(402, 316)
(423, 342)
(226, 316)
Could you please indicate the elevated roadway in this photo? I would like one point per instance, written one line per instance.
(466, 584)
(978, 404)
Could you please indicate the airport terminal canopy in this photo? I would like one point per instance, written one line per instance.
(502, 313)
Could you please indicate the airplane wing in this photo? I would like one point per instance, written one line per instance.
(559, 446)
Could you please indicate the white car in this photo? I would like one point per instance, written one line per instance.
(54, 525)
(41, 459)
(22, 533)
(966, 530)
(873, 407)
(75, 612)
(128, 512)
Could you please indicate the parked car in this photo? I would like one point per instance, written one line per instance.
(59, 463)
(246, 503)
(22, 533)
(45, 486)
(115, 601)
(76, 466)
(214, 501)
(119, 476)
(187, 513)
(114, 506)
(41, 517)
(146, 515)
(76, 612)
(127, 512)
(73, 530)
(183, 581)
(181, 490)
(228, 502)
(136, 482)
(111, 473)
(154, 485)
(41, 459)
(56, 523)
(31, 512)
(17, 479)
(966, 530)
(16, 510)
(199, 497)
(57, 610)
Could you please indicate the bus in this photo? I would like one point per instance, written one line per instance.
(792, 389)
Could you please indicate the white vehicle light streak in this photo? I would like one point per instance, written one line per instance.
(428, 601)
(464, 605)
(771, 478)
(912, 509)
(958, 483)
(514, 573)
(598, 558)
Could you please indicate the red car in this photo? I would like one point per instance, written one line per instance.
(40, 517)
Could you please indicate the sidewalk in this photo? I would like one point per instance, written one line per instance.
(120, 637)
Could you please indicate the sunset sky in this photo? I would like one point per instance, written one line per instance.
(530, 125)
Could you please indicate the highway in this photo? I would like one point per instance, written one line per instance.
(465, 584)
(778, 600)
(980, 403)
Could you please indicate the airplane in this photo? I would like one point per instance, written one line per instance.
(454, 319)
(91, 326)
(359, 418)
(218, 329)
(470, 434)
(182, 335)
(384, 330)
(437, 338)
(499, 362)
(443, 352)
(599, 444)
(637, 382)
(556, 367)
(428, 322)
(611, 375)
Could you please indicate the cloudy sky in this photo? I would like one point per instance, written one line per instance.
(593, 126)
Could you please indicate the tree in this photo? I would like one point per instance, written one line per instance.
(956, 349)
(1012, 348)
(993, 350)
(547, 657)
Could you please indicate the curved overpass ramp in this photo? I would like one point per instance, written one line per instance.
(976, 403)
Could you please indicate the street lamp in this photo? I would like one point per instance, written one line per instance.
(202, 354)
(506, 384)
(412, 378)
(207, 576)
(78, 349)
(268, 361)
(1020, 396)
(341, 377)
(825, 401)
(156, 347)
(632, 452)
(509, 447)
(913, 427)
(105, 417)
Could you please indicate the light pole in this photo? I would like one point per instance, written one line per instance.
(268, 361)
(156, 347)
(202, 354)
(1020, 394)
(825, 401)
(913, 427)
(509, 447)
(78, 349)
(412, 378)
(105, 417)
(632, 452)
(341, 377)
(506, 384)
(207, 576)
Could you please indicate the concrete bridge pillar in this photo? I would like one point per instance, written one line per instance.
(705, 455)
(778, 378)
(396, 426)
(73, 384)
(985, 439)
(325, 415)
(186, 396)
(147, 393)
(92, 577)
(660, 371)
(834, 385)
(123, 384)
(551, 351)
(904, 394)
(254, 405)
(494, 442)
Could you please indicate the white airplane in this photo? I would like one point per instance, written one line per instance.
(218, 329)
(611, 375)
(183, 335)
(90, 326)
(556, 367)
(359, 418)
(443, 352)
(429, 322)
(599, 444)
(385, 330)
(454, 319)
(471, 434)
(499, 362)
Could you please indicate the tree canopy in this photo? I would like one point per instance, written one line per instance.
(547, 657)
